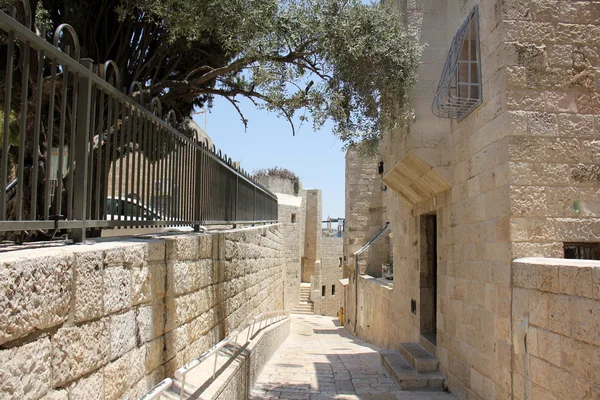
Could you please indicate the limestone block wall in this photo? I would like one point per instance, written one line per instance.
(328, 273)
(377, 315)
(292, 232)
(556, 322)
(312, 238)
(553, 101)
(108, 320)
(279, 185)
(364, 211)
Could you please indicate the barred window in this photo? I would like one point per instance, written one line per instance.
(582, 251)
(459, 90)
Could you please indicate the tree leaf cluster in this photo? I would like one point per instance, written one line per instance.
(317, 60)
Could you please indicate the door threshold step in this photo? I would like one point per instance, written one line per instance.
(406, 376)
(419, 358)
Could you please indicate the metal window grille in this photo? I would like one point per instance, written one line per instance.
(582, 251)
(459, 90)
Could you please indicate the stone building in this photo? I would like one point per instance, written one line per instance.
(291, 217)
(504, 165)
(312, 259)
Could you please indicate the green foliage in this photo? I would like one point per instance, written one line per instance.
(13, 129)
(337, 60)
(281, 173)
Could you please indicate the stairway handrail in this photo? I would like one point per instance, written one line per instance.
(180, 374)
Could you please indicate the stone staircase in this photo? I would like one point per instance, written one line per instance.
(413, 367)
(305, 306)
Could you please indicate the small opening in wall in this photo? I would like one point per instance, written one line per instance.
(582, 251)
(323, 291)
(293, 218)
(340, 264)
(380, 167)
(333, 290)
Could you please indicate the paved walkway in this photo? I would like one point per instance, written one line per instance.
(320, 360)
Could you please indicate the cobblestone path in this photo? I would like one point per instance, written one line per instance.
(320, 360)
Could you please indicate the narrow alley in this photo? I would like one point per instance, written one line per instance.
(321, 360)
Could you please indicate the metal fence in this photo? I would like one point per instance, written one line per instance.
(78, 154)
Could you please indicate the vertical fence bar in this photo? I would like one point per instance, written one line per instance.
(23, 122)
(36, 134)
(5, 132)
(142, 198)
(72, 148)
(171, 178)
(138, 155)
(98, 185)
(155, 157)
(91, 134)
(61, 137)
(198, 185)
(82, 146)
(107, 152)
(122, 152)
(115, 141)
(127, 157)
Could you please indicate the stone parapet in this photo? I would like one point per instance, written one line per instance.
(110, 319)
(556, 328)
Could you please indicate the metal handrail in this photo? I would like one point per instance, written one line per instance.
(216, 349)
(356, 272)
(158, 390)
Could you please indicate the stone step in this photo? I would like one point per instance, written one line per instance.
(406, 376)
(418, 357)
(304, 308)
(302, 312)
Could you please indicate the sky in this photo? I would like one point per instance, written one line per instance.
(316, 157)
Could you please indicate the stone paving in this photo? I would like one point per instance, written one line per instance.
(321, 360)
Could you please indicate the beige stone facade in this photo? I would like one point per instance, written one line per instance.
(516, 177)
(312, 239)
(109, 320)
(556, 329)
(327, 289)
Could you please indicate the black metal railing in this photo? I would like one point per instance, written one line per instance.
(78, 154)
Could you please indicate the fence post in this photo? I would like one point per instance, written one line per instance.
(82, 150)
(198, 193)
(237, 197)
(254, 207)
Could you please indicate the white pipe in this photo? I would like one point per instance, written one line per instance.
(157, 390)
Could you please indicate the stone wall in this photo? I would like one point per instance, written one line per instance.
(328, 273)
(292, 232)
(377, 316)
(312, 238)
(364, 212)
(556, 326)
(553, 110)
(279, 185)
(108, 320)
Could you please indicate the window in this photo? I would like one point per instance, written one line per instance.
(333, 290)
(340, 264)
(293, 218)
(323, 291)
(459, 90)
(582, 251)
